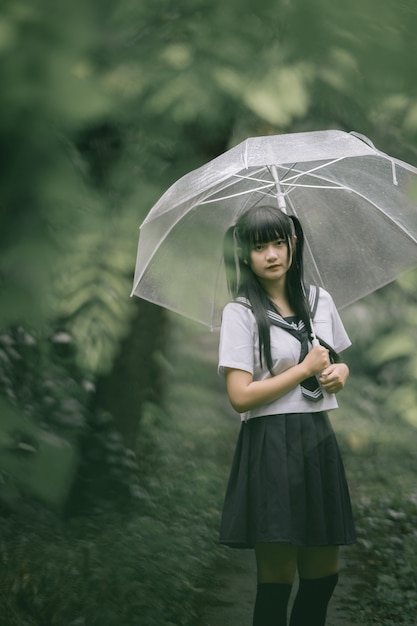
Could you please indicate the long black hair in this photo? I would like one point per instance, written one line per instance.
(262, 224)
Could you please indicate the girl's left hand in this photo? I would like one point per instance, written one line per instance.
(334, 377)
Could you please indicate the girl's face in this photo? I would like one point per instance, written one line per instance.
(270, 261)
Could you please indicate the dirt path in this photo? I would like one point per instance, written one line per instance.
(230, 601)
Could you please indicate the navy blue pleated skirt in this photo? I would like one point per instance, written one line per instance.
(287, 484)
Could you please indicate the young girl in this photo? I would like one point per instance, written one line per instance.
(287, 494)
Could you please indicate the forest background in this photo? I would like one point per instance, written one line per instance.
(115, 434)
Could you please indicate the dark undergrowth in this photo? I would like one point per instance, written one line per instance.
(379, 449)
(150, 561)
(141, 561)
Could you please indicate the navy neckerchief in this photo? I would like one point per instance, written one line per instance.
(310, 387)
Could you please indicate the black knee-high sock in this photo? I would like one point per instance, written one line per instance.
(310, 604)
(271, 604)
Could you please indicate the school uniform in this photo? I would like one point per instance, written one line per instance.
(287, 481)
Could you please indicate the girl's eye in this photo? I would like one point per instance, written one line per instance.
(258, 247)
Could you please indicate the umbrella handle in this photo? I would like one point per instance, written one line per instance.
(280, 196)
(314, 340)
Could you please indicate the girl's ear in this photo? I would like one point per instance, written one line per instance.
(239, 254)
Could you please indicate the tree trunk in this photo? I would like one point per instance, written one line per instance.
(136, 376)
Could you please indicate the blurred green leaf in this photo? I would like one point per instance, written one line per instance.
(396, 345)
(42, 464)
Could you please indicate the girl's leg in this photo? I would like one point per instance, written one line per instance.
(318, 569)
(318, 562)
(276, 565)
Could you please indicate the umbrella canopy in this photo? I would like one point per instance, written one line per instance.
(357, 206)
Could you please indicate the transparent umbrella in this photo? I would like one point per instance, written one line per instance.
(357, 205)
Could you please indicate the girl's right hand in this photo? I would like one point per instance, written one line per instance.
(317, 360)
(246, 394)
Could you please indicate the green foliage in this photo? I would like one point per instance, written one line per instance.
(92, 294)
(43, 102)
(108, 470)
(384, 332)
(98, 124)
(36, 379)
(379, 452)
(51, 441)
(377, 426)
(148, 563)
(40, 464)
(387, 540)
(41, 419)
(102, 106)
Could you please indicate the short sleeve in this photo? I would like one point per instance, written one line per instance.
(328, 323)
(340, 336)
(237, 338)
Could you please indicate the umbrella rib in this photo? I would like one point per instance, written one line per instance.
(285, 182)
(297, 186)
(268, 185)
(258, 180)
(216, 285)
(306, 243)
(315, 169)
(161, 241)
(235, 195)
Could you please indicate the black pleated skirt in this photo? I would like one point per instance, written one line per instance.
(287, 484)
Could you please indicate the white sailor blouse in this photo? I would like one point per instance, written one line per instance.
(239, 349)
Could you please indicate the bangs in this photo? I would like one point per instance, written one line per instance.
(268, 225)
(266, 233)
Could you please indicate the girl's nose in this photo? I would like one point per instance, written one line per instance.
(271, 253)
